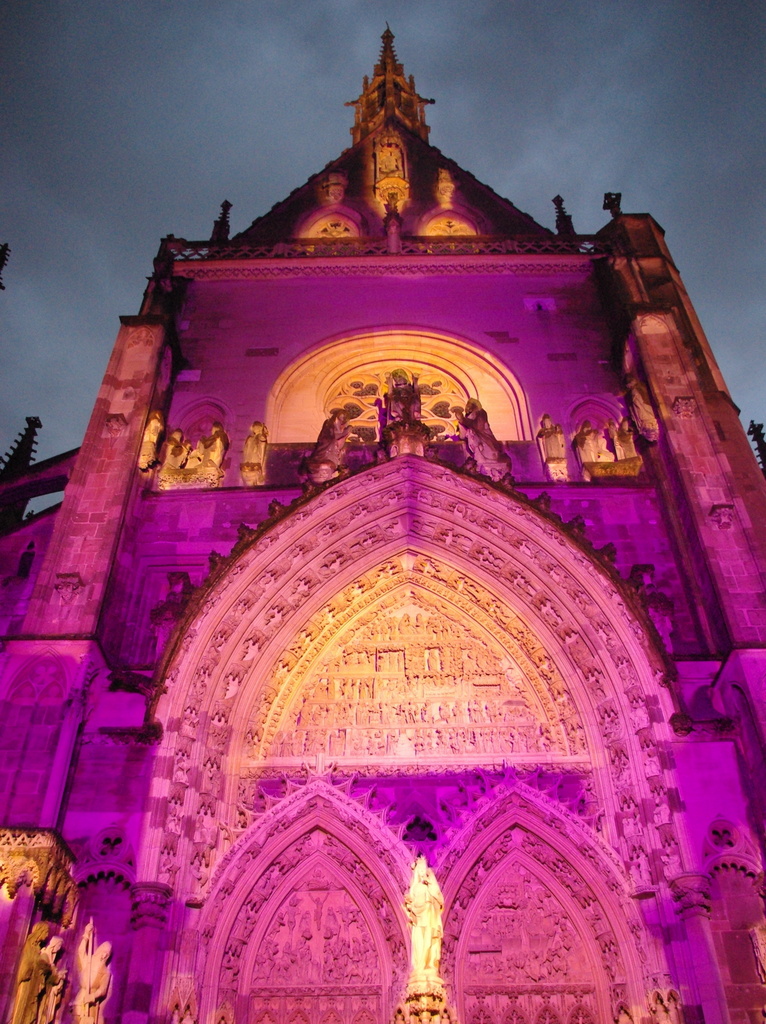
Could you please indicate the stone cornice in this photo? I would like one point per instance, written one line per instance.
(248, 270)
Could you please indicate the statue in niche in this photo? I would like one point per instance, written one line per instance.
(184, 466)
(486, 452)
(95, 977)
(623, 439)
(591, 444)
(641, 408)
(147, 456)
(424, 904)
(253, 465)
(175, 451)
(390, 160)
(551, 439)
(445, 187)
(327, 457)
(210, 451)
(402, 400)
(39, 982)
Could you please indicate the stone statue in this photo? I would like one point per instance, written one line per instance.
(327, 456)
(184, 466)
(32, 977)
(424, 904)
(95, 977)
(147, 456)
(210, 450)
(486, 451)
(175, 451)
(253, 465)
(591, 444)
(55, 981)
(623, 439)
(550, 437)
(402, 398)
(641, 408)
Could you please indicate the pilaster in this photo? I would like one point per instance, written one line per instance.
(69, 592)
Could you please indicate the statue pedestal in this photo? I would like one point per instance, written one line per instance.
(425, 1002)
(406, 438)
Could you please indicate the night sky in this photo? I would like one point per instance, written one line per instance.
(124, 121)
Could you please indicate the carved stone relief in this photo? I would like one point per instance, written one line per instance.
(410, 681)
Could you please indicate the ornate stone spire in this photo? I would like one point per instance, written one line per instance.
(388, 95)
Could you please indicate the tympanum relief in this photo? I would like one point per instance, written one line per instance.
(318, 939)
(410, 682)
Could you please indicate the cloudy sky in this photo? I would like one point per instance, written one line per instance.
(125, 121)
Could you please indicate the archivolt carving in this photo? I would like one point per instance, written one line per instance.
(530, 920)
(307, 902)
(450, 546)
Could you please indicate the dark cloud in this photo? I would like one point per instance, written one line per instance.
(126, 121)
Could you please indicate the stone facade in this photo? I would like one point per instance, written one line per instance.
(402, 528)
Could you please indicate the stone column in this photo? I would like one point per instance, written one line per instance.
(151, 905)
(691, 894)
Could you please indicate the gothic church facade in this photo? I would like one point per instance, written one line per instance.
(405, 531)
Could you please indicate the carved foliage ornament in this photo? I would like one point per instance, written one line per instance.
(40, 859)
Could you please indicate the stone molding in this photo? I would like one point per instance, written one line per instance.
(248, 271)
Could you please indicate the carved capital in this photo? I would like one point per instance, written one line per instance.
(691, 894)
(150, 904)
(41, 859)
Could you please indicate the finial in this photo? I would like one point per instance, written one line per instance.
(755, 430)
(389, 94)
(563, 220)
(220, 231)
(5, 251)
(612, 202)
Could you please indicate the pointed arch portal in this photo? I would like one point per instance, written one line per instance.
(415, 660)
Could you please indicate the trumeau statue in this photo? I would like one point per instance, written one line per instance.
(485, 449)
(253, 465)
(39, 980)
(327, 456)
(424, 904)
(147, 457)
(95, 977)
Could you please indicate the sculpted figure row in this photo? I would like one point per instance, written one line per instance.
(402, 431)
(41, 979)
(201, 465)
